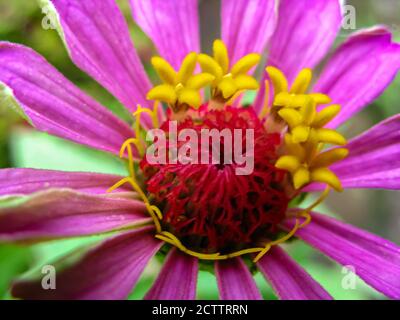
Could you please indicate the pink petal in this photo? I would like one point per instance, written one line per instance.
(66, 213)
(235, 281)
(247, 26)
(177, 279)
(55, 105)
(172, 25)
(25, 181)
(99, 43)
(375, 260)
(359, 71)
(107, 272)
(288, 279)
(306, 30)
(374, 159)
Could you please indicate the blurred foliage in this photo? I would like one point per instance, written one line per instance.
(20, 146)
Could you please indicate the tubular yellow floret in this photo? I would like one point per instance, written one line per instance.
(227, 84)
(187, 68)
(164, 70)
(221, 55)
(245, 64)
(278, 79)
(302, 82)
(164, 93)
(306, 135)
(180, 89)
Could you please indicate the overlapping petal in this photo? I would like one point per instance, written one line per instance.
(26, 181)
(53, 104)
(359, 71)
(172, 25)
(305, 32)
(288, 279)
(247, 25)
(375, 260)
(374, 159)
(58, 213)
(235, 281)
(98, 41)
(177, 279)
(107, 272)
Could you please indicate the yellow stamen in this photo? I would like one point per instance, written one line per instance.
(306, 136)
(278, 79)
(221, 55)
(228, 83)
(302, 82)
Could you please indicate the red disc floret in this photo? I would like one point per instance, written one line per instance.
(208, 206)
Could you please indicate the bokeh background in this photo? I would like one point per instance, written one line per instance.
(20, 146)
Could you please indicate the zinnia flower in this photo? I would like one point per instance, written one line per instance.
(204, 215)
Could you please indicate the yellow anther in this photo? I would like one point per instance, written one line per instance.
(187, 68)
(221, 55)
(245, 82)
(228, 87)
(180, 89)
(330, 136)
(308, 111)
(200, 80)
(291, 116)
(228, 83)
(163, 92)
(300, 134)
(301, 177)
(326, 115)
(285, 99)
(164, 70)
(245, 64)
(278, 79)
(325, 175)
(190, 97)
(209, 65)
(288, 163)
(327, 158)
(320, 98)
(302, 82)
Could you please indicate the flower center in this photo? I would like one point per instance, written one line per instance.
(208, 206)
(206, 209)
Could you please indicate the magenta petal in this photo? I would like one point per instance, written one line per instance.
(107, 272)
(235, 281)
(66, 213)
(25, 181)
(305, 32)
(98, 40)
(54, 105)
(172, 25)
(359, 71)
(247, 26)
(375, 260)
(374, 159)
(288, 279)
(177, 279)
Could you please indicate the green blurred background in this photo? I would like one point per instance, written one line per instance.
(20, 146)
